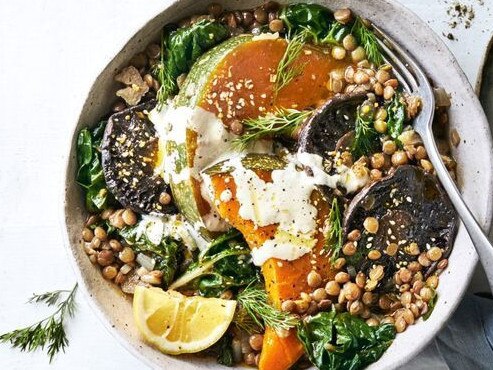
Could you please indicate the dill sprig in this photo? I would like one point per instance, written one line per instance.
(280, 122)
(49, 331)
(365, 134)
(245, 322)
(253, 300)
(334, 233)
(286, 70)
(368, 40)
(50, 298)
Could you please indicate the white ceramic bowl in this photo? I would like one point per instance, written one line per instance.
(474, 157)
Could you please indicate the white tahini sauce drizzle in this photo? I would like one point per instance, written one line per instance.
(346, 177)
(286, 201)
(214, 144)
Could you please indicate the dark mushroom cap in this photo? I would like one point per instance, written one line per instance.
(329, 124)
(411, 206)
(129, 153)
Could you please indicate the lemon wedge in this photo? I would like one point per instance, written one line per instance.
(178, 324)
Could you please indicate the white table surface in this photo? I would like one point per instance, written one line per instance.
(50, 52)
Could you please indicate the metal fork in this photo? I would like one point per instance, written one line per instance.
(414, 80)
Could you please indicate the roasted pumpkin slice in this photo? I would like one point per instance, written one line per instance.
(130, 155)
(234, 81)
(284, 279)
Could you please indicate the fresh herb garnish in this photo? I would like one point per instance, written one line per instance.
(396, 115)
(281, 122)
(180, 48)
(287, 71)
(341, 341)
(245, 322)
(367, 39)
(253, 300)
(334, 233)
(365, 135)
(49, 331)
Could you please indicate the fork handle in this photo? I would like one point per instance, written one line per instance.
(483, 246)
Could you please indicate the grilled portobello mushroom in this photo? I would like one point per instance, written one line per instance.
(411, 207)
(129, 153)
(331, 122)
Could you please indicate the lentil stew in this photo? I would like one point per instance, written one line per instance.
(266, 156)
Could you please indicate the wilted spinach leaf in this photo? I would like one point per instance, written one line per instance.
(313, 18)
(168, 254)
(341, 341)
(90, 173)
(225, 350)
(336, 33)
(319, 24)
(225, 264)
(396, 115)
(181, 48)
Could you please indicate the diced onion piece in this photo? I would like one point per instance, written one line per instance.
(145, 261)
(125, 269)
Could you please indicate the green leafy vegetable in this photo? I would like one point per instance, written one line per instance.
(49, 331)
(341, 341)
(225, 264)
(225, 351)
(253, 299)
(318, 22)
(396, 115)
(281, 122)
(334, 234)
(90, 173)
(431, 304)
(365, 136)
(336, 33)
(368, 40)
(312, 18)
(286, 70)
(168, 253)
(180, 48)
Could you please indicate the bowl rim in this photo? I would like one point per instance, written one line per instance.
(67, 175)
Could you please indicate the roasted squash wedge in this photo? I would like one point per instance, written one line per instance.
(284, 279)
(231, 82)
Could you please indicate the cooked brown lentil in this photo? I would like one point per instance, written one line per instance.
(434, 254)
(333, 288)
(314, 279)
(371, 225)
